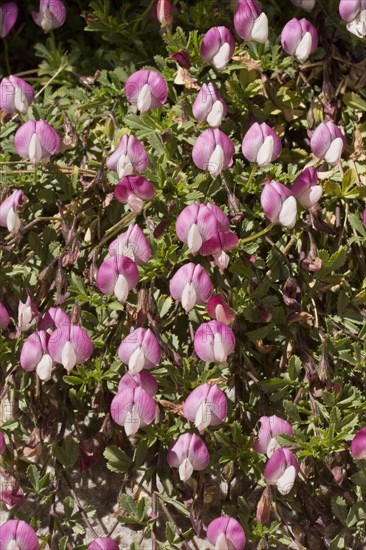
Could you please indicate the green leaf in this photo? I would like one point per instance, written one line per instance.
(68, 452)
(175, 503)
(339, 509)
(117, 460)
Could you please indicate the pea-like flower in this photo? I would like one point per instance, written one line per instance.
(27, 314)
(9, 216)
(213, 151)
(103, 543)
(358, 445)
(299, 38)
(191, 285)
(146, 89)
(306, 5)
(306, 188)
(164, 12)
(133, 408)
(189, 453)
(51, 15)
(130, 157)
(8, 17)
(15, 95)
(226, 533)
(35, 355)
(209, 106)
(261, 144)
(250, 22)
(37, 141)
(54, 318)
(134, 191)
(219, 310)
(140, 350)
(279, 205)
(214, 341)
(70, 345)
(270, 427)
(206, 406)
(328, 142)
(17, 534)
(4, 317)
(222, 219)
(353, 12)
(117, 275)
(218, 245)
(217, 47)
(281, 470)
(195, 225)
(133, 244)
(141, 379)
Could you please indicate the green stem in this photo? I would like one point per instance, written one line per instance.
(257, 235)
(251, 177)
(6, 57)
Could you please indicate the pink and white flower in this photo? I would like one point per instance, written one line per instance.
(217, 47)
(164, 13)
(15, 95)
(130, 157)
(191, 285)
(261, 144)
(103, 543)
(225, 533)
(133, 408)
(279, 205)
(328, 143)
(9, 217)
(51, 15)
(219, 310)
(140, 350)
(358, 445)
(281, 470)
(306, 188)
(17, 534)
(299, 38)
(353, 12)
(250, 22)
(54, 318)
(133, 244)
(146, 89)
(134, 191)
(195, 225)
(117, 275)
(206, 406)
(271, 426)
(35, 355)
(27, 314)
(70, 345)
(188, 453)
(209, 106)
(4, 317)
(141, 379)
(214, 341)
(218, 245)
(8, 17)
(213, 151)
(37, 141)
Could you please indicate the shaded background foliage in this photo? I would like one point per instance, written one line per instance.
(299, 296)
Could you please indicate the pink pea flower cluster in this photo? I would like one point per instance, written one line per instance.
(51, 15)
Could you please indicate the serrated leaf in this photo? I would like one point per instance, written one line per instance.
(117, 460)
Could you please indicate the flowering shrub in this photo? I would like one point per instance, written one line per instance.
(182, 275)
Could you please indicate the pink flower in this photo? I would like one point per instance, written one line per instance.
(299, 38)
(206, 406)
(10, 493)
(306, 189)
(146, 89)
(217, 47)
(8, 17)
(217, 246)
(358, 445)
(221, 217)
(141, 379)
(281, 470)
(16, 533)
(188, 453)
(191, 285)
(354, 13)
(306, 5)
(70, 345)
(219, 310)
(129, 158)
(140, 350)
(364, 217)
(51, 15)
(164, 12)
(133, 408)
(261, 144)
(9, 217)
(279, 205)
(250, 23)
(37, 141)
(2, 443)
(213, 151)
(133, 244)
(270, 427)
(195, 225)
(226, 533)
(15, 95)
(35, 355)
(4, 317)
(54, 318)
(117, 275)
(182, 58)
(27, 314)
(214, 341)
(209, 106)
(134, 191)
(328, 143)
